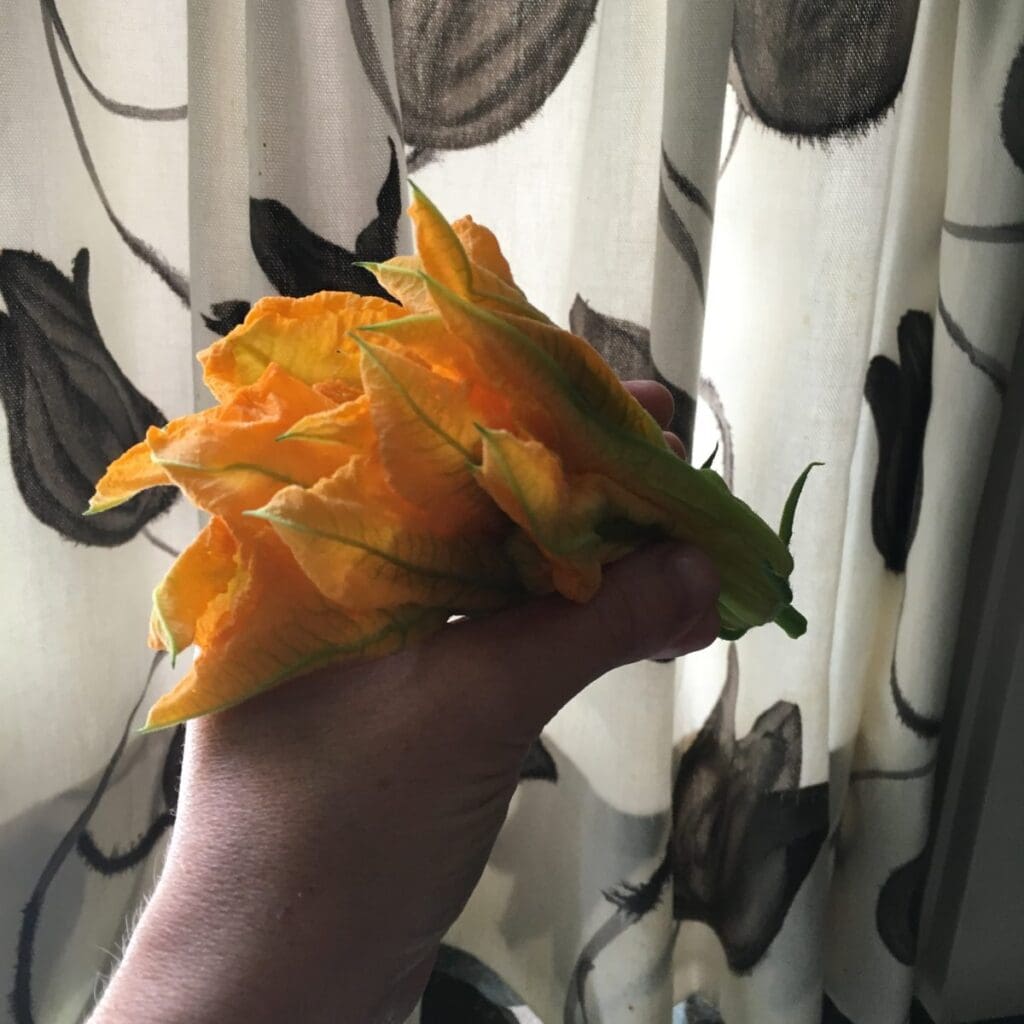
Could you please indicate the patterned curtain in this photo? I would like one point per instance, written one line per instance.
(805, 216)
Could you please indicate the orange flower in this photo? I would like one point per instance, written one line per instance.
(374, 467)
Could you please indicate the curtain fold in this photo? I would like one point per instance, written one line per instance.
(805, 218)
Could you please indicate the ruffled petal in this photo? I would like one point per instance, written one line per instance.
(307, 337)
(228, 459)
(364, 548)
(130, 473)
(195, 593)
(279, 626)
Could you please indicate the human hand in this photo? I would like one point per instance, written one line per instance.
(329, 832)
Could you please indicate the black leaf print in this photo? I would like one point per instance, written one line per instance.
(626, 347)
(457, 963)
(813, 69)
(116, 862)
(900, 398)
(225, 316)
(697, 1010)
(538, 764)
(898, 910)
(20, 998)
(420, 156)
(1011, 120)
(682, 241)
(637, 900)
(447, 999)
(919, 1015)
(468, 74)
(300, 262)
(744, 834)
(925, 726)
(70, 409)
(831, 1014)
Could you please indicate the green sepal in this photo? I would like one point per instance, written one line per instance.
(789, 509)
(791, 621)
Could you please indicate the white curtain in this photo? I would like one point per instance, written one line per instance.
(806, 216)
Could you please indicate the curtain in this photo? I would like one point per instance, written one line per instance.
(805, 217)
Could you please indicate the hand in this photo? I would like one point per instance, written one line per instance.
(329, 832)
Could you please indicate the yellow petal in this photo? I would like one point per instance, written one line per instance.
(571, 399)
(307, 337)
(227, 459)
(363, 549)
(128, 474)
(194, 594)
(426, 437)
(349, 423)
(591, 378)
(482, 249)
(337, 391)
(280, 626)
(401, 277)
(528, 483)
(578, 522)
(438, 246)
(427, 338)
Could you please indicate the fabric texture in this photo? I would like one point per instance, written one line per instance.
(805, 217)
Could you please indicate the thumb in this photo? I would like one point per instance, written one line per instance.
(658, 602)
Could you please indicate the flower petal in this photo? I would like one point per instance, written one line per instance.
(280, 626)
(307, 337)
(401, 276)
(592, 378)
(482, 248)
(528, 483)
(195, 592)
(426, 337)
(563, 402)
(349, 423)
(337, 391)
(439, 247)
(227, 459)
(522, 354)
(427, 440)
(128, 474)
(361, 547)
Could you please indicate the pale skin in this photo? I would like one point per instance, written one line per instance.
(328, 833)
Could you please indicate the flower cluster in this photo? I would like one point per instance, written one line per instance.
(373, 467)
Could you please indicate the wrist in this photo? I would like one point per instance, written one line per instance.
(255, 917)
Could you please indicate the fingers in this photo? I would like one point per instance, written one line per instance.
(657, 602)
(654, 397)
(658, 401)
(675, 444)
